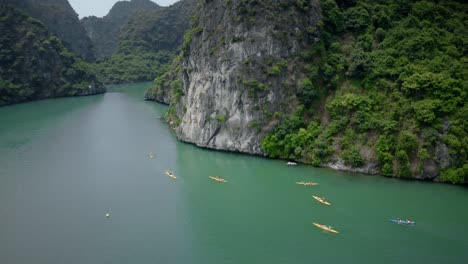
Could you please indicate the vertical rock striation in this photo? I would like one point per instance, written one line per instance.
(334, 84)
(237, 70)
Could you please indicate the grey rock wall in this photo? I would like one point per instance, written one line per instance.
(228, 93)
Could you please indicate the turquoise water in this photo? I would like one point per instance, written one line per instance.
(65, 163)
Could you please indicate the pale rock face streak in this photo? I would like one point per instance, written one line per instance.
(217, 109)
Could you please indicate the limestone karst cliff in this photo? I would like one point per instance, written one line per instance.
(61, 20)
(140, 39)
(237, 69)
(104, 32)
(368, 86)
(34, 64)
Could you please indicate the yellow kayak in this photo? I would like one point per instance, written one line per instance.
(170, 174)
(322, 200)
(218, 179)
(326, 228)
(307, 183)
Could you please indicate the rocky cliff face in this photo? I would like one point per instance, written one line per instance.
(158, 29)
(62, 21)
(146, 43)
(237, 71)
(35, 65)
(104, 32)
(334, 84)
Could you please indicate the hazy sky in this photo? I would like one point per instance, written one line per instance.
(100, 8)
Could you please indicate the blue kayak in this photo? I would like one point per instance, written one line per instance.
(402, 222)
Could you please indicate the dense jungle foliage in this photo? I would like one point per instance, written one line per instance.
(386, 84)
(61, 20)
(147, 44)
(34, 64)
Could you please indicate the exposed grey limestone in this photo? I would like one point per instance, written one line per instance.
(368, 168)
(219, 108)
(159, 95)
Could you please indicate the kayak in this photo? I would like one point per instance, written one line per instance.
(325, 228)
(321, 200)
(402, 222)
(218, 179)
(307, 183)
(170, 174)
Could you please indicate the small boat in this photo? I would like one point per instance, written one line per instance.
(322, 200)
(170, 174)
(326, 228)
(291, 163)
(307, 183)
(402, 222)
(218, 179)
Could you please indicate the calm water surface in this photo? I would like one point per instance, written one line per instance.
(65, 163)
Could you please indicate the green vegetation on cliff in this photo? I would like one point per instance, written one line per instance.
(34, 64)
(61, 20)
(386, 84)
(104, 32)
(147, 43)
(134, 66)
